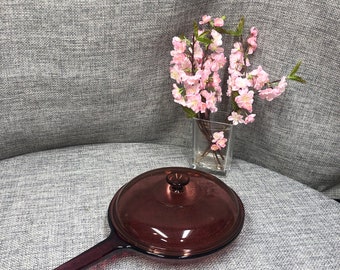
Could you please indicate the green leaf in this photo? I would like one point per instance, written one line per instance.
(239, 29)
(182, 36)
(240, 26)
(294, 77)
(195, 29)
(234, 105)
(181, 91)
(204, 34)
(233, 33)
(295, 69)
(189, 112)
(221, 30)
(204, 40)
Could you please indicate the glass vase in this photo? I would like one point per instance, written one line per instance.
(212, 144)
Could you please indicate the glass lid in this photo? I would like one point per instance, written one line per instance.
(176, 212)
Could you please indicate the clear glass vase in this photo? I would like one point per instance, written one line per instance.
(211, 151)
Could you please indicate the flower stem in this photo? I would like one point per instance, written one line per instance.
(205, 128)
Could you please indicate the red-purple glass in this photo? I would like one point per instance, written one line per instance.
(169, 212)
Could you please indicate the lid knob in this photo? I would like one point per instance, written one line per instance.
(177, 181)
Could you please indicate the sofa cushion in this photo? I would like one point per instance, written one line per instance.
(54, 206)
(83, 72)
(77, 72)
(296, 134)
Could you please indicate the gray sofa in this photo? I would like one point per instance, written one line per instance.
(86, 105)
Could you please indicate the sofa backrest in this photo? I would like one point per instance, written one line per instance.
(77, 72)
(297, 134)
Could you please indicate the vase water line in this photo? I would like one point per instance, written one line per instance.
(206, 157)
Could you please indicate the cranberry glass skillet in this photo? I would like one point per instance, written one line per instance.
(169, 212)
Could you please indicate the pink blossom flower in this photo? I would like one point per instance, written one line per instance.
(219, 50)
(218, 136)
(207, 64)
(235, 82)
(216, 37)
(236, 58)
(176, 93)
(242, 83)
(185, 65)
(192, 79)
(218, 22)
(252, 40)
(237, 47)
(178, 58)
(245, 100)
(210, 100)
(271, 93)
(282, 85)
(259, 77)
(176, 73)
(216, 80)
(252, 44)
(179, 45)
(254, 31)
(205, 19)
(249, 119)
(218, 62)
(236, 118)
(194, 102)
(230, 85)
(219, 141)
(214, 147)
(191, 89)
(204, 77)
(234, 73)
(195, 67)
(198, 52)
(217, 40)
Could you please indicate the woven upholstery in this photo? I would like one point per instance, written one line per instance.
(86, 105)
(55, 207)
(81, 72)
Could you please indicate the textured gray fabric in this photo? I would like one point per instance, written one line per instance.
(297, 134)
(75, 72)
(79, 72)
(54, 206)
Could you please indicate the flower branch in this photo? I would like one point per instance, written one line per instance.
(196, 66)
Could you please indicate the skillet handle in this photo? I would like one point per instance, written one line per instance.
(94, 253)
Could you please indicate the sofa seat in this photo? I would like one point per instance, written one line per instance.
(54, 206)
